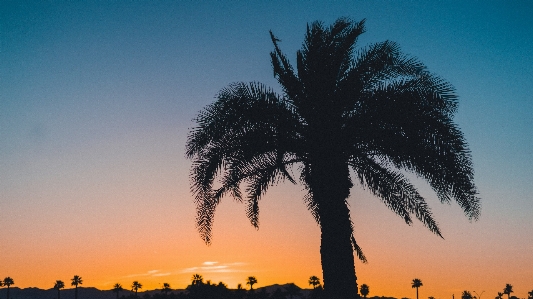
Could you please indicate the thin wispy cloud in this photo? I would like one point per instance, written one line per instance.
(154, 273)
(216, 267)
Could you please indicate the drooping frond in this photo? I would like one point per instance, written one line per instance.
(410, 122)
(395, 191)
(245, 137)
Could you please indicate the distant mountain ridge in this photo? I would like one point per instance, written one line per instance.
(94, 293)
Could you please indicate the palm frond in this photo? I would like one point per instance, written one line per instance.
(395, 191)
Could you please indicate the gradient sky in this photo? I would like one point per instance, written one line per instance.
(96, 101)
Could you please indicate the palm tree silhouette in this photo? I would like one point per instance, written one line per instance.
(530, 295)
(135, 286)
(466, 295)
(508, 290)
(8, 281)
(377, 112)
(117, 288)
(75, 281)
(197, 279)
(364, 290)
(251, 280)
(416, 283)
(314, 281)
(58, 286)
(166, 288)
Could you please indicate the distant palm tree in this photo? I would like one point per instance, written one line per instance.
(373, 113)
(197, 279)
(75, 281)
(251, 280)
(117, 288)
(314, 281)
(136, 286)
(364, 290)
(166, 288)
(8, 281)
(508, 290)
(500, 295)
(58, 286)
(530, 294)
(416, 283)
(466, 295)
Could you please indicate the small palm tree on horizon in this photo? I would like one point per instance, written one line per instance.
(197, 279)
(314, 281)
(365, 289)
(117, 288)
(8, 281)
(251, 280)
(466, 295)
(530, 294)
(75, 281)
(135, 286)
(416, 283)
(58, 286)
(508, 290)
(166, 288)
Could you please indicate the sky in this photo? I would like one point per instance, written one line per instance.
(97, 98)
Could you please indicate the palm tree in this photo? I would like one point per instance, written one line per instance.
(377, 112)
(314, 281)
(364, 290)
(197, 279)
(466, 295)
(530, 295)
(500, 295)
(117, 288)
(58, 286)
(508, 290)
(75, 281)
(166, 288)
(251, 280)
(416, 283)
(135, 286)
(8, 281)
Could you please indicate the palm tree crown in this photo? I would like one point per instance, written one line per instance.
(365, 289)
(466, 295)
(117, 288)
(416, 283)
(197, 279)
(375, 111)
(251, 280)
(75, 281)
(135, 286)
(58, 286)
(314, 281)
(508, 290)
(8, 281)
(166, 288)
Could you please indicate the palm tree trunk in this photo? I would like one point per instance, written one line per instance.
(76, 292)
(331, 186)
(416, 292)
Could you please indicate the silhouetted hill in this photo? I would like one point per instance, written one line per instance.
(83, 293)
(94, 293)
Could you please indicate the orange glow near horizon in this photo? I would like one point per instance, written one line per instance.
(285, 249)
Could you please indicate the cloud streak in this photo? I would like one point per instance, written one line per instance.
(215, 267)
